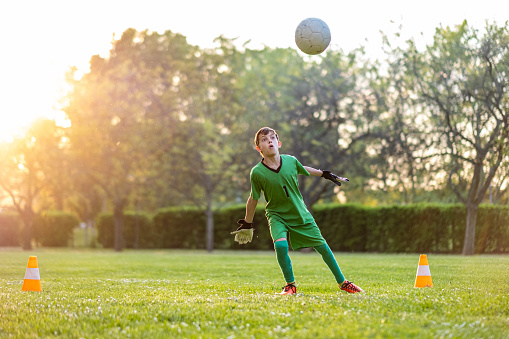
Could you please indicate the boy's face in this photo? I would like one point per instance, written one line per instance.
(268, 144)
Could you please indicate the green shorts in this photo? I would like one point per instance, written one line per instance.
(301, 236)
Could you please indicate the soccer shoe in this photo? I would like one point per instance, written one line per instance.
(350, 287)
(289, 289)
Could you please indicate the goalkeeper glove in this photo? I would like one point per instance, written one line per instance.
(333, 177)
(244, 232)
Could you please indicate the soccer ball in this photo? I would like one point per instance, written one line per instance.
(312, 36)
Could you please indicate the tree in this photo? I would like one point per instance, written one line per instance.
(315, 105)
(397, 159)
(122, 113)
(29, 165)
(86, 201)
(206, 154)
(463, 78)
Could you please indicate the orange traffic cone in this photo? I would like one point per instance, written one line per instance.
(423, 277)
(32, 280)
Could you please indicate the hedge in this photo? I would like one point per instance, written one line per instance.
(409, 228)
(10, 227)
(134, 224)
(351, 227)
(180, 227)
(412, 228)
(51, 228)
(493, 235)
(346, 227)
(55, 228)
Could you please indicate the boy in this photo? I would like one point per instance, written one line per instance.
(276, 176)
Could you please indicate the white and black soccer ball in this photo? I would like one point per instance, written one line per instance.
(312, 36)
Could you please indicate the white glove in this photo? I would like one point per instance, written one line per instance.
(244, 233)
(243, 236)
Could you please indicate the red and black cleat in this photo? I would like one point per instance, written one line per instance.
(289, 289)
(350, 287)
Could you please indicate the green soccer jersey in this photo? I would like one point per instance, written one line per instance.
(281, 190)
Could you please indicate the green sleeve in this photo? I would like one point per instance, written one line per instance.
(255, 186)
(301, 169)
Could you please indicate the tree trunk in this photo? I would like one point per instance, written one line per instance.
(210, 228)
(27, 216)
(469, 244)
(118, 220)
(27, 233)
(137, 232)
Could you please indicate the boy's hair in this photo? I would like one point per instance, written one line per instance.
(264, 131)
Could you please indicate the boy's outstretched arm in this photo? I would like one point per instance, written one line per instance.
(326, 174)
(313, 171)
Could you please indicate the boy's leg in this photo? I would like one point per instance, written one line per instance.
(283, 259)
(330, 260)
(279, 233)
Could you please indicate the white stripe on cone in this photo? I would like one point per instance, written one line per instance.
(32, 274)
(423, 270)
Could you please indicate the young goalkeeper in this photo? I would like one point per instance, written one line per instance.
(288, 217)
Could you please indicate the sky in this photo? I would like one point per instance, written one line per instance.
(41, 40)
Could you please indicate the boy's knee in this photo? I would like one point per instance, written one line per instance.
(280, 244)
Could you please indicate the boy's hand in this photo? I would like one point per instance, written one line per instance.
(333, 177)
(244, 232)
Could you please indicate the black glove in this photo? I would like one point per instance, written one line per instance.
(244, 225)
(333, 177)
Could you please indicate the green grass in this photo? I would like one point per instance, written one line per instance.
(192, 294)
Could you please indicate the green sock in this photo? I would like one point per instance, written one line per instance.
(284, 261)
(329, 259)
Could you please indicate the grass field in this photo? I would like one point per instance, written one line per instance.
(192, 294)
